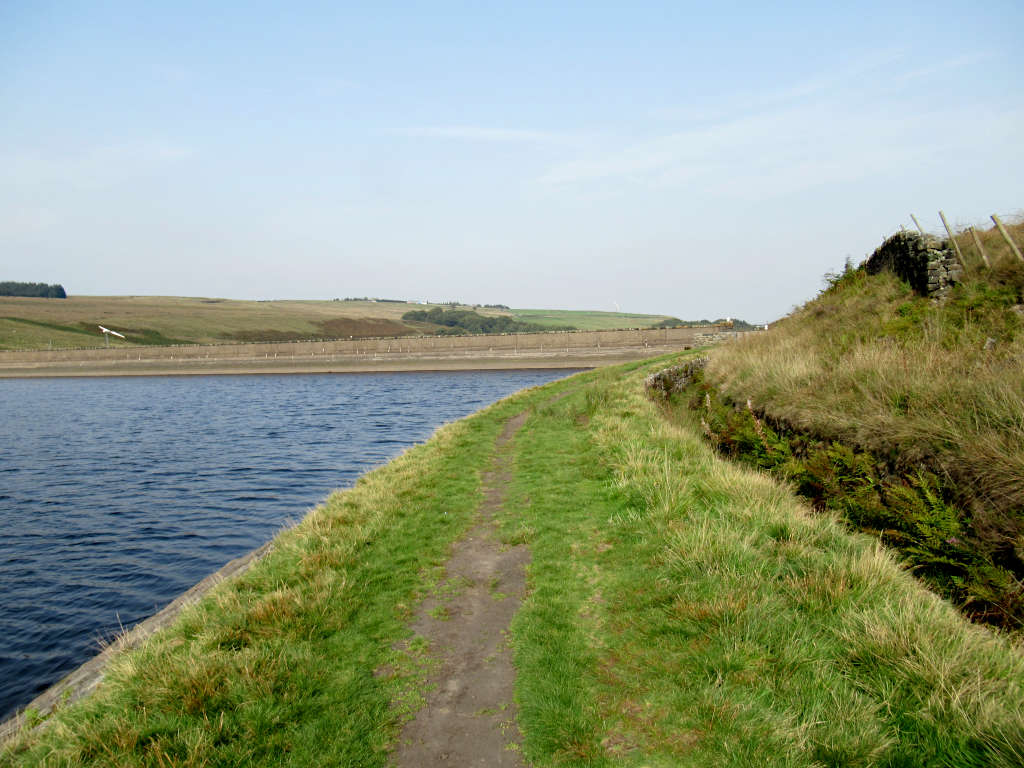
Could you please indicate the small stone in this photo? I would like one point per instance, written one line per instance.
(990, 344)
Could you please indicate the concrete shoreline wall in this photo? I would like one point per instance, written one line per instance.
(434, 346)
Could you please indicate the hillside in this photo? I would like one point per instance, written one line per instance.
(38, 323)
(901, 413)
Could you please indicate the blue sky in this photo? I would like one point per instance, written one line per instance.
(699, 160)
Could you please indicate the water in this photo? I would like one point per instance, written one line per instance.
(118, 494)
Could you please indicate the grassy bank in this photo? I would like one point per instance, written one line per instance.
(682, 610)
(902, 414)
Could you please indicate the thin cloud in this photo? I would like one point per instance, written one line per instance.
(477, 133)
(818, 131)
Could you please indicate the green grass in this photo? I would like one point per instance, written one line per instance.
(19, 333)
(681, 610)
(587, 320)
(687, 611)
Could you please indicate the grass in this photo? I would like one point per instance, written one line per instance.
(27, 323)
(688, 611)
(681, 610)
(587, 320)
(930, 394)
(170, 319)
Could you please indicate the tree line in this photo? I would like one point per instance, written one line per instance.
(33, 290)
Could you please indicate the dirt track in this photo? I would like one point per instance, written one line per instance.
(470, 717)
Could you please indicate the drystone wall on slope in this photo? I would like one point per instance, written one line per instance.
(927, 263)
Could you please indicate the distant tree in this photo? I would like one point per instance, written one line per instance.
(32, 290)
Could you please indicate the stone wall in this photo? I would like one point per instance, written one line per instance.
(925, 262)
(943, 272)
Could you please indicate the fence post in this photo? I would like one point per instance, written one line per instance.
(952, 239)
(1006, 236)
(981, 248)
(917, 224)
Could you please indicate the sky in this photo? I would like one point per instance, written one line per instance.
(700, 160)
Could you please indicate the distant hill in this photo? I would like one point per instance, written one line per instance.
(37, 323)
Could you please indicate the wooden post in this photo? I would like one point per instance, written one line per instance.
(952, 239)
(1006, 236)
(981, 248)
(917, 224)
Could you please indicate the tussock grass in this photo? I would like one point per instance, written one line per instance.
(886, 370)
(688, 611)
(928, 389)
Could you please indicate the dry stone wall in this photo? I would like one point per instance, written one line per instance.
(927, 263)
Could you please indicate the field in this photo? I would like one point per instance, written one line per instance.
(587, 321)
(681, 610)
(73, 322)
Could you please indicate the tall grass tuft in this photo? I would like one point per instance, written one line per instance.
(917, 383)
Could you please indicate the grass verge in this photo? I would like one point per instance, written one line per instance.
(684, 610)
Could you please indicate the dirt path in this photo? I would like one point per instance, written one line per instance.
(470, 718)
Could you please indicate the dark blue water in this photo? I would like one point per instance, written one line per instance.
(118, 494)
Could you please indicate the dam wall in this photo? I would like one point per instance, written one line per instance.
(552, 343)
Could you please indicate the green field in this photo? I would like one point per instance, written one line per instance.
(585, 320)
(681, 611)
(29, 323)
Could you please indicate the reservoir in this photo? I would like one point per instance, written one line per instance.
(118, 494)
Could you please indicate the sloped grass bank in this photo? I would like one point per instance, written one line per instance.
(686, 610)
(905, 414)
(913, 509)
(681, 610)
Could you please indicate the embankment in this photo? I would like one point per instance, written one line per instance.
(574, 349)
(681, 610)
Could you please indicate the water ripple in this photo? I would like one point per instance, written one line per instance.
(116, 495)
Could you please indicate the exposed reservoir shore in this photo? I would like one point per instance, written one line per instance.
(561, 349)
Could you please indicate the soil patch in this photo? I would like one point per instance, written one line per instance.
(469, 718)
(363, 327)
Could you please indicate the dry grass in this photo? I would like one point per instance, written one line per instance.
(191, 320)
(996, 248)
(72, 323)
(875, 366)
